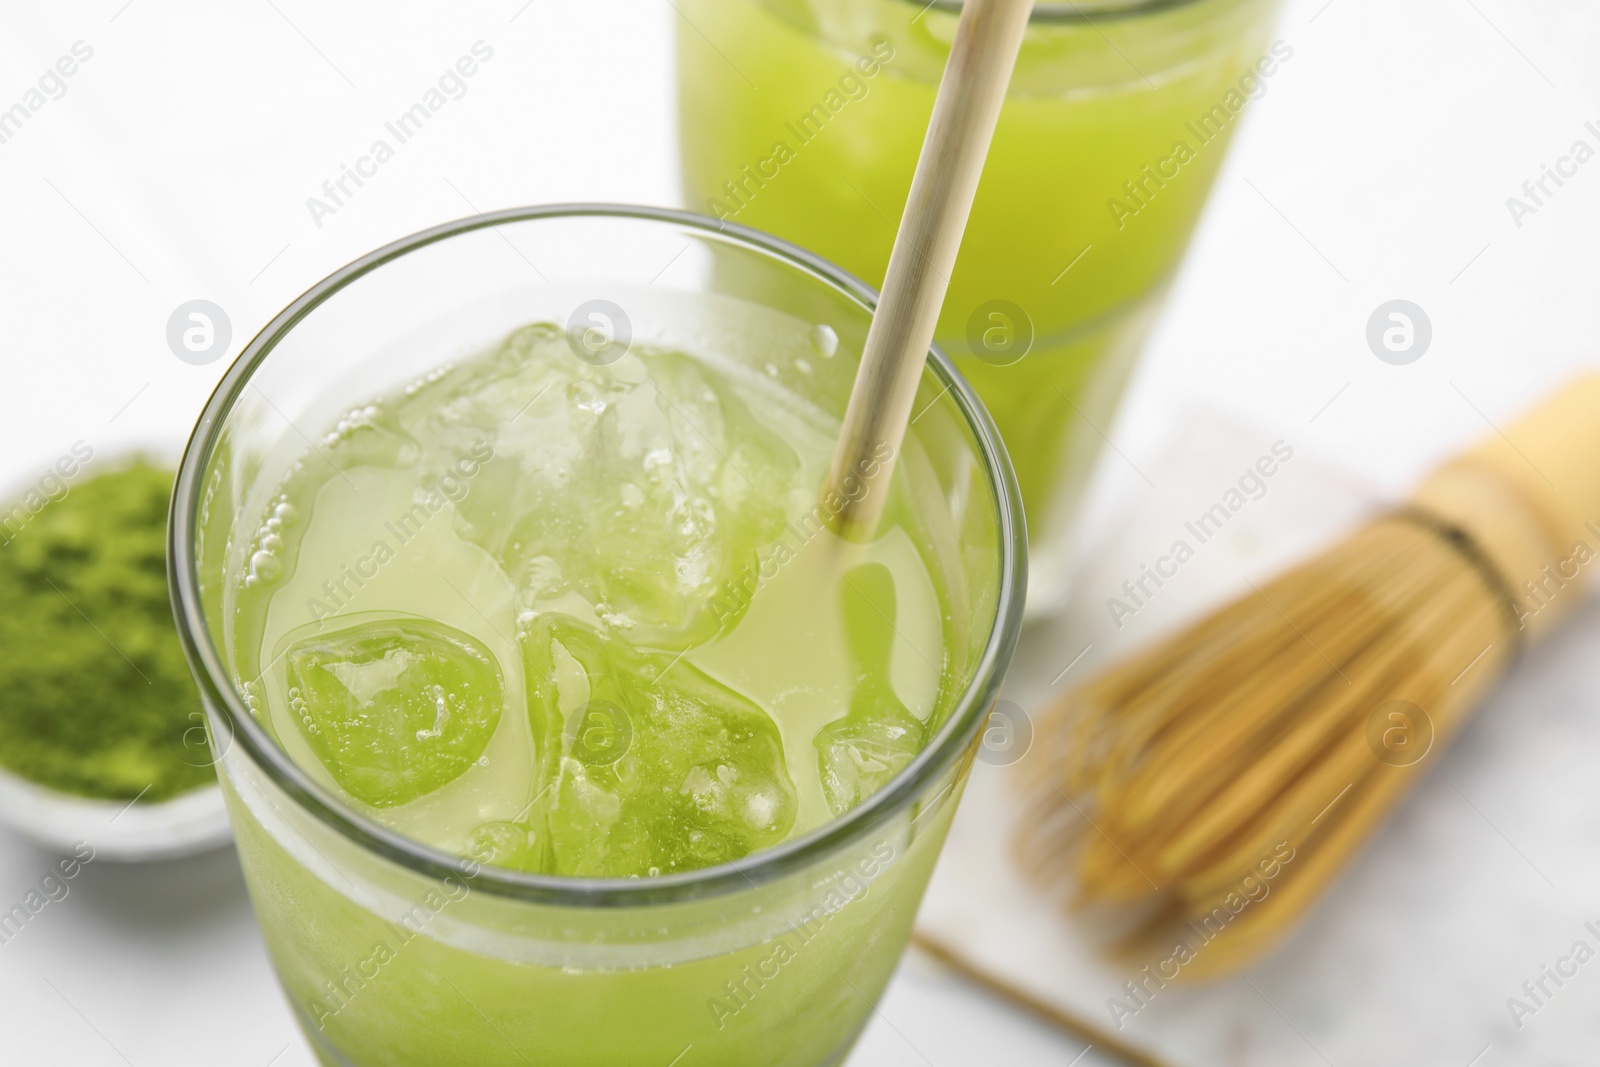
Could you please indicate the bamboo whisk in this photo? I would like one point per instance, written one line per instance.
(1215, 784)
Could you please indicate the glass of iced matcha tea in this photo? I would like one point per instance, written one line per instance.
(804, 118)
(555, 722)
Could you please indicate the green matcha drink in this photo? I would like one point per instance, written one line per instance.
(805, 118)
(588, 620)
(557, 724)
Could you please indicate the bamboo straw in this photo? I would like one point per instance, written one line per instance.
(988, 37)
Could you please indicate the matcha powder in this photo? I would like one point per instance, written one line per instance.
(95, 697)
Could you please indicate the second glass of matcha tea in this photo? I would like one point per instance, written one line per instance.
(804, 118)
(556, 723)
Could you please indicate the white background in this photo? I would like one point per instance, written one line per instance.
(178, 165)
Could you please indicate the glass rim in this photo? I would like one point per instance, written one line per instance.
(763, 866)
(1056, 12)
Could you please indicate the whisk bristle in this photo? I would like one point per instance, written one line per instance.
(1218, 780)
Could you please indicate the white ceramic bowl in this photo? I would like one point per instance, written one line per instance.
(116, 829)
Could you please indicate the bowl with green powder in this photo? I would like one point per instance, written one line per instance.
(102, 734)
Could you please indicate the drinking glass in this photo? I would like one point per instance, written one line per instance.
(805, 118)
(393, 953)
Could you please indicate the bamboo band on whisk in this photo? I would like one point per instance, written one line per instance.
(1528, 497)
(1460, 539)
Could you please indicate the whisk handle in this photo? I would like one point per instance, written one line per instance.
(1529, 497)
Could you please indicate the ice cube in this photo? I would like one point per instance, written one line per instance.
(394, 706)
(581, 818)
(858, 754)
(646, 485)
(651, 765)
(506, 844)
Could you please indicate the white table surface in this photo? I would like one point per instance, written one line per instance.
(178, 163)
